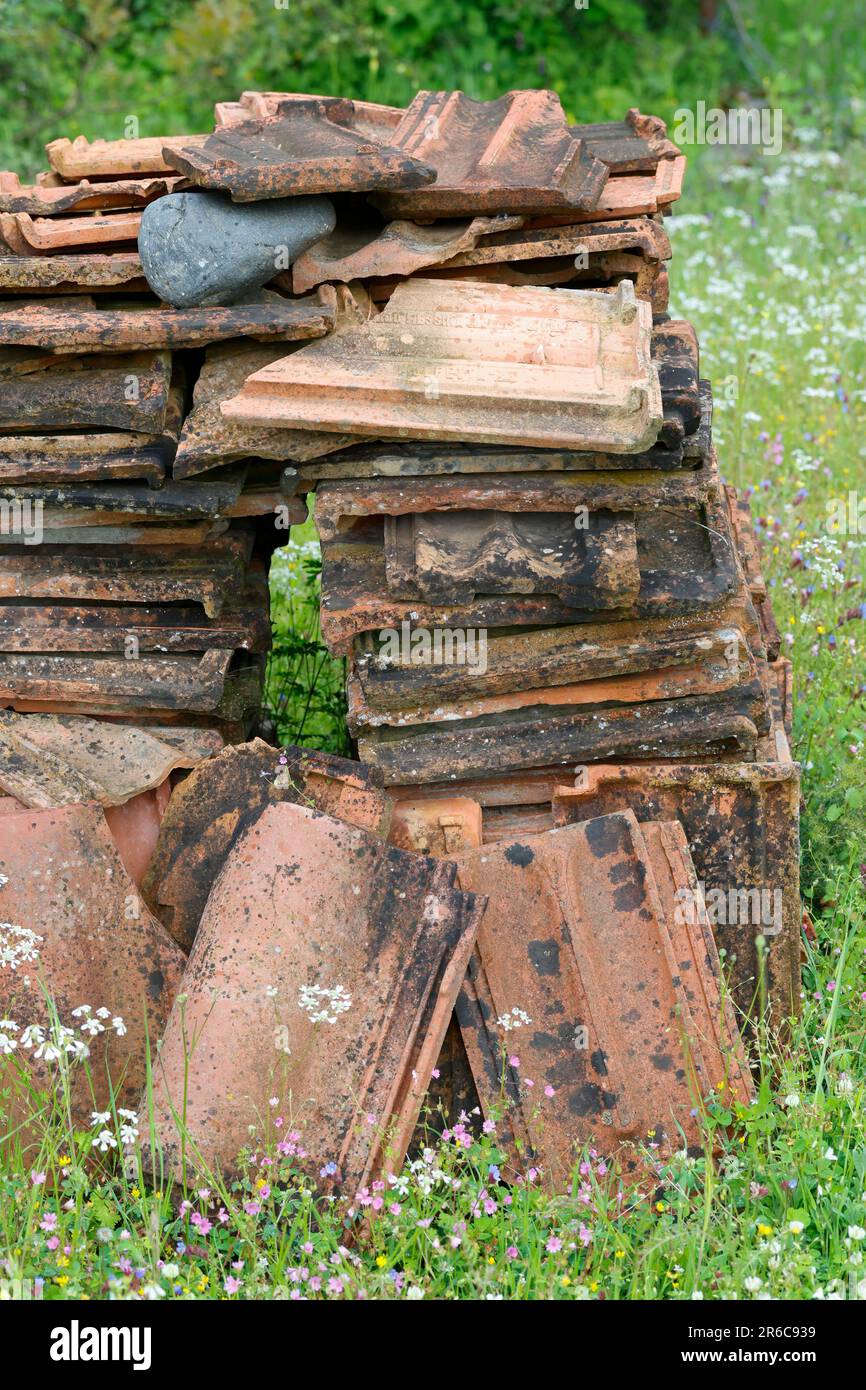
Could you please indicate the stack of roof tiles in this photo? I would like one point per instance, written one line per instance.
(133, 573)
(563, 668)
(551, 603)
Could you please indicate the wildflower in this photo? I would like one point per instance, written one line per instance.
(512, 1252)
(764, 1230)
(37, 1178)
(414, 1292)
(792, 1101)
(752, 1283)
(856, 1233)
(549, 1092)
(323, 1005)
(17, 946)
(104, 1141)
(232, 1285)
(553, 1244)
(513, 1018)
(796, 1227)
(514, 1061)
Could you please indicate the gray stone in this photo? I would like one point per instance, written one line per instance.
(201, 248)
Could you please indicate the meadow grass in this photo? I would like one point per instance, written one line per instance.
(769, 263)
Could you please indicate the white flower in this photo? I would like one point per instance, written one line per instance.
(830, 1155)
(513, 1018)
(752, 1283)
(128, 1134)
(414, 1292)
(323, 1005)
(792, 1101)
(170, 1271)
(119, 1027)
(33, 1035)
(100, 1117)
(103, 1012)
(7, 1044)
(17, 945)
(697, 1295)
(856, 1233)
(844, 1085)
(796, 1227)
(92, 1027)
(82, 1011)
(104, 1141)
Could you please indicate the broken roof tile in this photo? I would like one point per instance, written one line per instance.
(634, 145)
(53, 760)
(561, 491)
(127, 391)
(513, 155)
(475, 362)
(139, 326)
(568, 725)
(49, 200)
(62, 273)
(308, 907)
(113, 684)
(368, 117)
(28, 235)
(209, 440)
(539, 657)
(227, 794)
(741, 820)
(456, 556)
(577, 922)
(80, 158)
(399, 248)
(97, 944)
(441, 826)
(311, 146)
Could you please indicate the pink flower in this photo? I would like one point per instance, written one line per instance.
(512, 1252)
(514, 1061)
(553, 1244)
(335, 1286)
(48, 1222)
(52, 1243)
(252, 1208)
(585, 1235)
(232, 1284)
(549, 1092)
(37, 1179)
(435, 1073)
(488, 1126)
(395, 1209)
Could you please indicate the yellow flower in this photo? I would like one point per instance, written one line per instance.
(135, 1192)
(63, 1261)
(64, 1160)
(619, 1254)
(593, 1286)
(62, 1280)
(566, 1281)
(764, 1230)
(660, 1206)
(381, 1261)
(490, 1260)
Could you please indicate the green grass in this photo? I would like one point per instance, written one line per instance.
(769, 263)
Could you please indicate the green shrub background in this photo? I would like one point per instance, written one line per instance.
(75, 67)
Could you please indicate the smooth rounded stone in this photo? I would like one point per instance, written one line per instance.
(201, 248)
